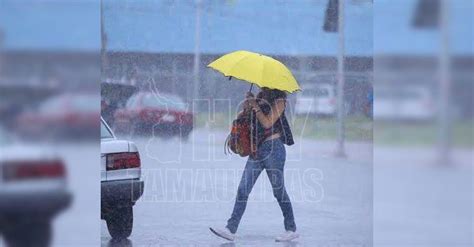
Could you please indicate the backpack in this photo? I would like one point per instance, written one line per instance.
(239, 140)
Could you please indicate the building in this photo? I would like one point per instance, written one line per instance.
(155, 41)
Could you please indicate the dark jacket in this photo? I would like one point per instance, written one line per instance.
(281, 125)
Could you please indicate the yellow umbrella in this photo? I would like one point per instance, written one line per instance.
(261, 70)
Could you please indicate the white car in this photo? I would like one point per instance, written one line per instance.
(121, 184)
(317, 99)
(403, 103)
(33, 189)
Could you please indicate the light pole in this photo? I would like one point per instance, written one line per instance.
(197, 55)
(103, 43)
(434, 14)
(334, 22)
(340, 150)
(444, 121)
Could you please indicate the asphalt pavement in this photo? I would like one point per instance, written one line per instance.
(191, 185)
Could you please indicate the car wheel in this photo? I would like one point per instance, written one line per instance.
(27, 233)
(120, 222)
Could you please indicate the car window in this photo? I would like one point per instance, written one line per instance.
(104, 131)
(170, 102)
(175, 103)
(149, 100)
(80, 103)
(55, 104)
(85, 103)
(132, 102)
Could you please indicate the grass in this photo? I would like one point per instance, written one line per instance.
(360, 128)
(421, 134)
(357, 128)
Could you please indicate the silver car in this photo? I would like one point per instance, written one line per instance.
(121, 184)
(33, 189)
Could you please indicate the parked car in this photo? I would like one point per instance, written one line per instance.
(33, 189)
(317, 99)
(121, 184)
(113, 95)
(164, 114)
(64, 115)
(404, 103)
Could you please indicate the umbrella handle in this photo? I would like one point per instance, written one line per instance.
(250, 90)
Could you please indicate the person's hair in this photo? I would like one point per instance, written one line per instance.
(270, 95)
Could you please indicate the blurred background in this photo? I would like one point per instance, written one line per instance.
(154, 62)
(178, 40)
(404, 69)
(49, 123)
(423, 128)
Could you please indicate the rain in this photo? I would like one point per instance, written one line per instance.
(116, 129)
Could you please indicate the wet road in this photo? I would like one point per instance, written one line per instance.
(191, 185)
(76, 226)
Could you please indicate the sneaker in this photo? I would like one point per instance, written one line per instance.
(287, 236)
(223, 233)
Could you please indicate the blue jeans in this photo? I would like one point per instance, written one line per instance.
(270, 156)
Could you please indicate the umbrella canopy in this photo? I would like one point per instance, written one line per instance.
(259, 69)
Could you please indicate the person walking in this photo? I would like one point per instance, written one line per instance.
(272, 132)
